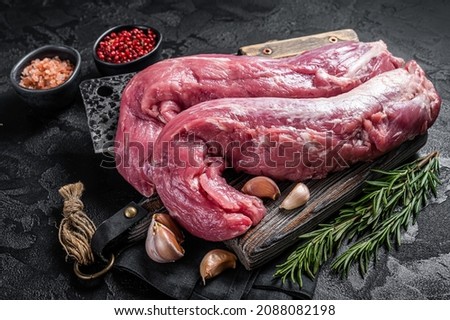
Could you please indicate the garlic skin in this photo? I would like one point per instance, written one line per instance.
(296, 198)
(215, 262)
(166, 220)
(261, 187)
(164, 238)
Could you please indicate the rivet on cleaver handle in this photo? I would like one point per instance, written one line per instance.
(294, 46)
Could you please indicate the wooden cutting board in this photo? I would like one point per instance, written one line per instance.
(279, 229)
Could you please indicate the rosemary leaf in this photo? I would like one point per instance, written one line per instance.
(388, 205)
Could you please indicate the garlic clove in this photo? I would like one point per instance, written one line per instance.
(215, 262)
(166, 219)
(161, 244)
(296, 198)
(261, 187)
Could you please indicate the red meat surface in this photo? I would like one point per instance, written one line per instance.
(293, 139)
(157, 94)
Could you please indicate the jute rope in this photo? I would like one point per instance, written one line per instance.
(76, 229)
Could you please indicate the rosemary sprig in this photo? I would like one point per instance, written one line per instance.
(387, 206)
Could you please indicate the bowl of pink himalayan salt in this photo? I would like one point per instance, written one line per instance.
(47, 77)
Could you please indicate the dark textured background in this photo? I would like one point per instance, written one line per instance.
(38, 153)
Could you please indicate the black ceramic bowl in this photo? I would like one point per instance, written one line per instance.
(56, 97)
(108, 68)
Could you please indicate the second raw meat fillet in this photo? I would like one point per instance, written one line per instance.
(294, 139)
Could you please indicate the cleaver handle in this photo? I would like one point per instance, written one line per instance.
(294, 46)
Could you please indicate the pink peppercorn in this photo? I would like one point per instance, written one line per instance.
(126, 45)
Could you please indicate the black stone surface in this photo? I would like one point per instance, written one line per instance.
(41, 152)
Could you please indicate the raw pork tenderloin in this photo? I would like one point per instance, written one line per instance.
(282, 138)
(157, 94)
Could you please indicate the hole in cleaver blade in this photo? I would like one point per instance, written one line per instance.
(105, 91)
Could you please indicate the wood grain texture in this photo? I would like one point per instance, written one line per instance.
(294, 46)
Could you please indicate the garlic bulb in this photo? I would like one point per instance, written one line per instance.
(164, 238)
(215, 262)
(261, 187)
(296, 198)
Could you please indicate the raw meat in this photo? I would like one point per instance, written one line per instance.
(294, 139)
(157, 94)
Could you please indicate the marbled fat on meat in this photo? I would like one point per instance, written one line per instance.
(157, 94)
(294, 139)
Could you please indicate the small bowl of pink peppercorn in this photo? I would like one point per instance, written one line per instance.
(127, 48)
